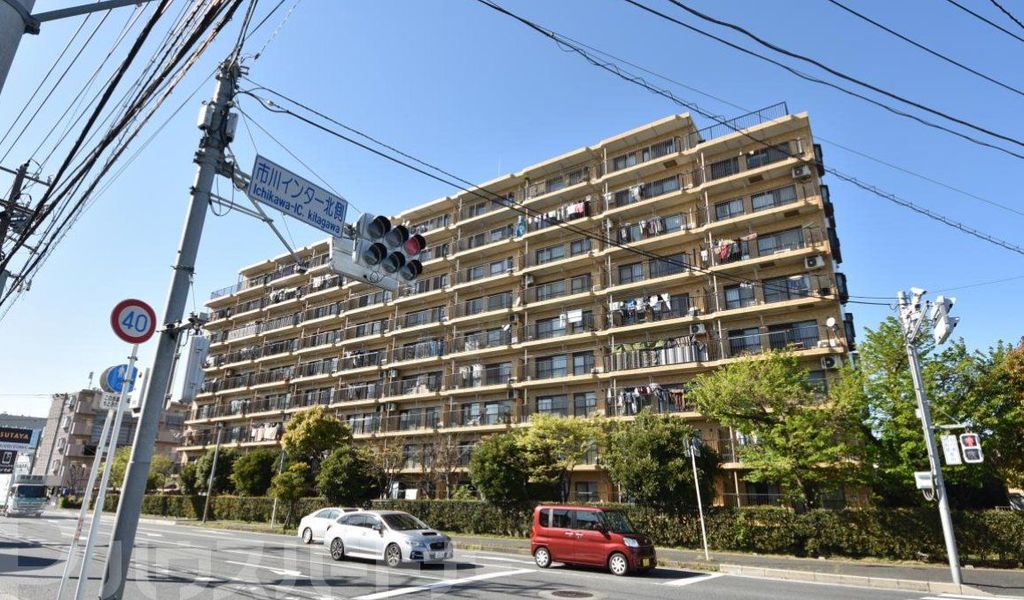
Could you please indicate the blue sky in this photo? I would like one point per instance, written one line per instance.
(466, 88)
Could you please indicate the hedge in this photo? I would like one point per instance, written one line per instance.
(898, 534)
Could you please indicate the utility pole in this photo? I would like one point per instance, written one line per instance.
(14, 22)
(213, 472)
(912, 319)
(210, 162)
(8, 214)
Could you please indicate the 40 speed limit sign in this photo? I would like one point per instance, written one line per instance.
(133, 321)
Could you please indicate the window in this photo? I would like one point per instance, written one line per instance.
(586, 491)
(739, 296)
(554, 184)
(580, 284)
(553, 405)
(773, 198)
(499, 301)
(499, 267)
(550, 253)
(474, 306)
(744, 340)
(476, 209)
(501, 233)
(623, 162)
(669, 265)
(549, 328)
(474, 273)
(582, 363)
(780, 289)
(553, 289)
(803, 334)
(584, 403)
(559, 518)
(765, 156)
(673, 223)
(818, 381)
(410, 456)
(658, 150)
(724, 168)
(552, 366)
(578, 247)
(496, 412)
(791, 239)
(729, 209)
(657, 188)
(631, 273)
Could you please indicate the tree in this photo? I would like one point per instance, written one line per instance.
(222, 478)
(499, 469)
(805, 444)
(649, 459)
(554, 446)
(290, 486)
(387, 460)
(160, 469)
(313, 434)
(188, 479)
(252, 472)
(346, 477)
(442, 460)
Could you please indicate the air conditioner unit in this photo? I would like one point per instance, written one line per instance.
(823, 343)
(801, 172)
(814, 262)
(831, 362)
(698, 329)
(693, 311)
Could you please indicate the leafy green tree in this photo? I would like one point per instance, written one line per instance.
(253, 471)
(649, 459)
(387, 460)
(805, 444)
(290, 486)
(187, 477)
(313, 434)
(499, 469)
(346, 477)
(160, 469)
(222, 477)
(554, 446)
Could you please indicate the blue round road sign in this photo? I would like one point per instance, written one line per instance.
(113, 378)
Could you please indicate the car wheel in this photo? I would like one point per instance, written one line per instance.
(542, 557)
(393, 555)
(618, 564)
(337, 549)
(307, 536)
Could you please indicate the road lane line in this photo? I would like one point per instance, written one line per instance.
(504, 559)
(283, 572)
(693, 579)
(445, 583)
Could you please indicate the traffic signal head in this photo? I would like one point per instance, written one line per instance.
(372, 227)
(943, 324)
(970, 444)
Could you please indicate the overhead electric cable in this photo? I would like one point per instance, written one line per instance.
(986, 20)
(1008, 13)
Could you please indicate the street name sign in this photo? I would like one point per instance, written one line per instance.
(133, 321)
(279, 188)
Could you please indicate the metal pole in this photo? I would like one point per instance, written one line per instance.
(208, 158)
(213, 472)
(700, 504)
(273, 511)
(86, 498)
(12, 27)
(101, 494)
(925, 413)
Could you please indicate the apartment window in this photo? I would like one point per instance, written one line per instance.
(724, 168)
(549, 328)
(499, 301)
(474, 273)
(550, 253)
(410, 419)
(729, 209)
(765, 156)
(673, 223)
(554, 184)
(739, 296)
(582, 363)
(623, 197)
(773, 198)
(578, 247)
(658, 150)
(553, 405)
(553, 289)
(791, 239)
(552, 366)
(411, 456)
(623, 162)
(371, 328)
(802, 334)
(496, 412)
(584, 403)
(466, 452)
(780, 289)
(501, 233)
(474, 306)
(475, 240)
(657, 188)
(476, 209)
(580, 284)
(669, 265)
(586, 491)
(630, 273)
(817, 381)
(499, 267)
(744, 340)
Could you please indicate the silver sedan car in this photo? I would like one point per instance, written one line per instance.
(392, 536)
(313, 525)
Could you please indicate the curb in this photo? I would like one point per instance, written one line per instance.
(884, 583)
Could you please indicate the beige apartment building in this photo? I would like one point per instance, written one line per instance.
(640, 262)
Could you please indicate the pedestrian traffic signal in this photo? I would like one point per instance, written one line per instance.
(943, 324)
(970, 444)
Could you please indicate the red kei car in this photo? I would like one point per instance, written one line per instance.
(587, 535)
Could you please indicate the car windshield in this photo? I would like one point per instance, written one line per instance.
(30, 491)
(403, 522)
(618, 522)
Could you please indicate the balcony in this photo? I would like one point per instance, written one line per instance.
(636, 272)
(564, 179)
(640, 310)
(802, 335)
(316, 368)
(427, 383)
(354, 392)
(419, 351)
(320, 340)
(572, 322)
(371, 299)
(419, 318)
(488, 272)
(484, 304)
(659, 353)
(497, 337)
(730, 250)
(630, 401)
(567, 213)
(478, 376)
(581, 284)
(644, 155)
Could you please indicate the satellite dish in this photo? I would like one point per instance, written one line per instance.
(830, 322)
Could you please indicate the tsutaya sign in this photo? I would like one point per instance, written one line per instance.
(296, 197)
(15, 438)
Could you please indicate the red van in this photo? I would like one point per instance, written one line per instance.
(588, 535)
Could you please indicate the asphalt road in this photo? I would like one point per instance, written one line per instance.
(176, 562)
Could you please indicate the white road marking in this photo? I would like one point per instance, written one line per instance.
(963, 597)
(444, 583)
(505, 559)
(151, 534)
(694, 579)
(284, 572)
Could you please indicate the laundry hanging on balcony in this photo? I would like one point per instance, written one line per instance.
(639, 355)
(659, 398)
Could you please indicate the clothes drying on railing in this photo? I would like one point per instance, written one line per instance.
(640, 304)
(639, 355)
(632, 400)
(566, 212)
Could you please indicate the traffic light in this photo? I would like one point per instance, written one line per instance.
(970, 444)
(943, 324)
(380, 254)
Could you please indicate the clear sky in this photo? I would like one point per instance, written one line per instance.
(466, 88)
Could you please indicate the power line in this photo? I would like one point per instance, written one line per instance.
(926, 48)
(635, 79)
(1008, 13)
(986, 20)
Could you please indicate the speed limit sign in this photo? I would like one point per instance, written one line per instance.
(133, 321)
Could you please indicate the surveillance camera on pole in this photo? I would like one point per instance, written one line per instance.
(943, 324)
(380, 254)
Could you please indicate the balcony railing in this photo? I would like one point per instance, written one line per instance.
(368, 299)
(475, 306)
(643, 155)
(482, 339)
(362, 359)
(419, 350)
(423, 317)
(489, 270)
(474, 376)
(318, 367)
(567, 324)
(647, 354)
(726, 251)
(744, 121)
(640, 310)
(359, 391)
(565, 178)
(427, 383)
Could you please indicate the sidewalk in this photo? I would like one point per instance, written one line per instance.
(885, 575)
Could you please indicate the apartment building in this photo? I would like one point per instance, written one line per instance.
(601, 281)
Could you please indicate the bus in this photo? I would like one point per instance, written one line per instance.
(27, 496)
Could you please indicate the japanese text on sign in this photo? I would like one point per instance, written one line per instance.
(296, 197)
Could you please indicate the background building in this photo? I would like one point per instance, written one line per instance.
(640, 262)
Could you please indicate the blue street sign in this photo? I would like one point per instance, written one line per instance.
(113, 377)
(296, 197)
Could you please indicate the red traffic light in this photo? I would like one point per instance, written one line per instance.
(415, 244)
(969, 440)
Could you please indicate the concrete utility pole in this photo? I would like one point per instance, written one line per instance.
(912, 318)
(210, 161)
(14, 15)
(8, 214)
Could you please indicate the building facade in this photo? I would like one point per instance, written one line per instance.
(598, 282)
